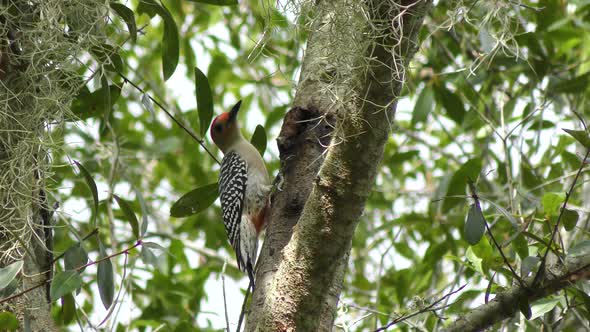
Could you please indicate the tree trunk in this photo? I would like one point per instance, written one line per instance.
(351, 75)
(39, 79)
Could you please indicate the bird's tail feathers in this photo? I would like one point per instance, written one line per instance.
(248, 246)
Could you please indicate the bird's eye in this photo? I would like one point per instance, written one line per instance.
(218, 127)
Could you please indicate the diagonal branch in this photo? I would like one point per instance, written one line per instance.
(505, 304)
(172, 117)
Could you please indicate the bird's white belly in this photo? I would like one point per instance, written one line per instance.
(257, 189)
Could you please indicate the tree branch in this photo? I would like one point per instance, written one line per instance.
(172, 117)
(505, 304)
(300, 288)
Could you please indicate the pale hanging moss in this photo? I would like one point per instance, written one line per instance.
(44, 45)
(339, 60)
(339, 67)
(498, 22)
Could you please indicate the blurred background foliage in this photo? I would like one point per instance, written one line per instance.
(487, 96)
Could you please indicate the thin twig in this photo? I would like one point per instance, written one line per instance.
(111, 187)
(186, 129)
(556, 227)
(455, 283)
(125, 251)
(520, 281)
(58, 257)
(224, 298)
(379, 274)
(243, 312)
(24, 292)
(431, 307)
(496, 244)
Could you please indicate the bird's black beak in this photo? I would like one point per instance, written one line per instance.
(233, 114)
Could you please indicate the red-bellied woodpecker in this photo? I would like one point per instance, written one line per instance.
(244, 188)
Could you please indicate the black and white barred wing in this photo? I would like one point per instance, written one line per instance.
(232, 189)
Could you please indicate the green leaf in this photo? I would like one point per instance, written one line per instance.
(10, 289)
(570, 159)
(452, 104)
(569, 219)
(108, 55)
(75, 257)
(92, 185)
(68, 308)
(129, 215)
(483, 249)
(148, 257)
(127, 15)
(524, 307)
(88, 105)
(474, 224)
(147, 103)
(504, 212)
(153, 245)
(521, 246)
(218, 2)
(189, 54)
(399, 157)
(577, 84)
(170, 41)
(543, 306)
(8, 273)
(144, 211)
(551, 203)
(204, 101)
(195, 201)
(580, 136)
(8, 321)
(579, 249)
(170, 44)
(424, 105)
(529, 177)
(63, 283)
(528, 265)
(259, 139)
(106, 97)
(184, 326)
(582, 292)
(105, 278)
(469, 170)
(476, 261)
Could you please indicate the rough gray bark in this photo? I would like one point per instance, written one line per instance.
(32, 309)
(302, 263)
(506, 304)
(24, 216)
(36, 307)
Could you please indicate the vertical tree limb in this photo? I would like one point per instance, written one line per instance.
(300, 274)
